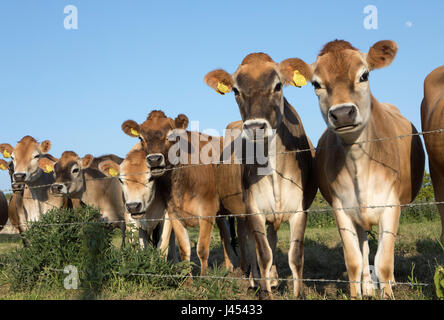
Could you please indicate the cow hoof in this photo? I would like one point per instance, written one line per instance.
(265, 295)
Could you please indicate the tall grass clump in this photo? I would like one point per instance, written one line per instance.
(60, 238)
(79, 238)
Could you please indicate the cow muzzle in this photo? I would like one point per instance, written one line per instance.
(135, 209)
(156, 163)
(256, 130)
(343, 117)
(19, 177)
(58, 189)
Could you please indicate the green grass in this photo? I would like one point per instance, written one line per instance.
(417, 254)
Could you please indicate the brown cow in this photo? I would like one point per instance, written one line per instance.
(16, 211)
(36, 196)
(189, 190)
(142, 201)
(3, 210)
(80, 179)
(432, 118)
(356, 172)
(288, 186)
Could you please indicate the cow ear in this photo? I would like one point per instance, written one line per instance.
(86, 161)
(382, 54)
(3, 165)
(6, 150)
(296, 72)
(46, 164)
(45, 146)
(181, 122)
(131, 128)
(109, 168)
(219, 80)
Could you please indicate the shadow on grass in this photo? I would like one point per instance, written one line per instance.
(323, 262)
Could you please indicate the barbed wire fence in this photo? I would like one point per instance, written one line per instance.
(239, 215)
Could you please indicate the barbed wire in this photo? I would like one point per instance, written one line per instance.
(238, 161)
(211, 277)
(224, 162)
(240, 215)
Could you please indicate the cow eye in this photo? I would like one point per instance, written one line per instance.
(76, 170)
(36, 156)
(236, 92)
(364, 77)
(278, 87)
(316, 85)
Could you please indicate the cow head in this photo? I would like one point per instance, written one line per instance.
(157, 134)
(68, 172)
(16, 187)
(340, 77)
(257, 85)
(134, 175)
(25, 157)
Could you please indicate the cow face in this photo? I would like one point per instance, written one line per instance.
(257, 85)
(25, 157)
(16, 187)
(157, 134)
(137, 186)
(341, 82)
(68, 173)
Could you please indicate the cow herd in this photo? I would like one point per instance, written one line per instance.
(367, 165)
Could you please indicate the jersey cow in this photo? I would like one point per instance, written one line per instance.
(80, 179)
(16, 211)
(142, 201)
(288, 186)
(361, 161)
(37, 198)
(189, 188)
(432, 118)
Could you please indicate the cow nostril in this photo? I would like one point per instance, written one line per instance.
(19, 177)
(332, 114)
(351, 112)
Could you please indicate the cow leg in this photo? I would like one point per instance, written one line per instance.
(166, 236)
(385, 255)
(352, 252)
(367, 283)
(298, 222)
(183, 239)
(203, 244)
(143, 238)
(263, 252)
(225, 239)
(172, 256)
(242, 236)
(252, 257)
(272, 240)
(438, 188)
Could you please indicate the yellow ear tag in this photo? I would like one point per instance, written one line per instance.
(134, 132)
(298, 79)
(6, 154)
(222, 89)
(2, 166)
(112, 172)
(48, 168)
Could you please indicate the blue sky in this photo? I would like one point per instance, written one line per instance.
(76, 87)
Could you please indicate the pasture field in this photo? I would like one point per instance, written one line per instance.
(417, 254)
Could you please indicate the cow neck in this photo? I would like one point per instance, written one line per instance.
(93, 188)
(165, 182)
(41, 197)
